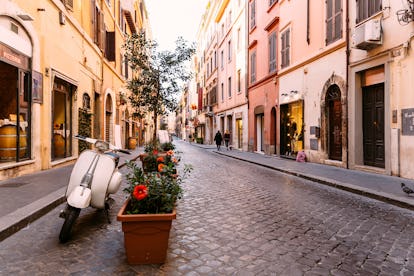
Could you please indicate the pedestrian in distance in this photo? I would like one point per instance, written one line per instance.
(190, 138)
(218, 138)
(227, 138)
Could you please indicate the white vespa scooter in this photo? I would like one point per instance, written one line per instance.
(94, 177)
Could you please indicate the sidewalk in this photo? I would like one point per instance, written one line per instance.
(377, 186)
(26, 198)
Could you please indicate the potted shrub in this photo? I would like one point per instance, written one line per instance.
(148, 212)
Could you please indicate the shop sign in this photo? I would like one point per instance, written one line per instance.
(407, 121)
(14, 58)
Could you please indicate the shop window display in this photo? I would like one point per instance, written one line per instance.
(14, 129)
(291, 128)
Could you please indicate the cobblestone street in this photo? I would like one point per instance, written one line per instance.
(235, 219)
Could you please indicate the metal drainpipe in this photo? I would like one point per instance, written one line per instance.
(347, 85)
(246, 11)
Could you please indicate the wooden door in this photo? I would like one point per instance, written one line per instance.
(335, 134)
(373, 125)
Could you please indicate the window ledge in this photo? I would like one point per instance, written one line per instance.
(10, 165)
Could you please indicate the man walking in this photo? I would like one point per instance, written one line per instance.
(218, 138)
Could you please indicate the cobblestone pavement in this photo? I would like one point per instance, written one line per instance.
(234, 219)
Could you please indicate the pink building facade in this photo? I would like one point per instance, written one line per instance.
(263, 89)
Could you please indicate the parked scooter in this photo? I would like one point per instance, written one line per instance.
(94, 177)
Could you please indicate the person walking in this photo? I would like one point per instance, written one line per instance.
(218, 138)
(227, 138)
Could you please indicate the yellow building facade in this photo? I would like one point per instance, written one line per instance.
(63, 73)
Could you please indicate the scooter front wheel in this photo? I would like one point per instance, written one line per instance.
(71, 214)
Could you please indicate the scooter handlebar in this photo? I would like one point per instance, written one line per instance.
(124, 151)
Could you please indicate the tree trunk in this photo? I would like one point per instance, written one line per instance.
(154, 135)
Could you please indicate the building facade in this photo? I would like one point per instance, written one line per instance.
(263, 87)
(64, 58)
(231, 112)
(381, 101)
(312, 80)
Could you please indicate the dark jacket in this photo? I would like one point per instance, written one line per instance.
(218, 138)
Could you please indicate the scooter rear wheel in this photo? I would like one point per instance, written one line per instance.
(71, 214)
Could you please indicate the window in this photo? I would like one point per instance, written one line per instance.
(272, 52)
(222, 92)
(98, 26)
(229, 87)
(285, 48)
(222, 60)
(68, 4)
(367, 8)
(110, 46)
(333, 20)
(215, 59)
(253, 67)
(211, 65)
(252, 14)
(229, 50)
(239, 80)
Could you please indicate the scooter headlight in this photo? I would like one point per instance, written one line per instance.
(102, 145)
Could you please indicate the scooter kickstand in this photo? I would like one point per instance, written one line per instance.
(107, 207)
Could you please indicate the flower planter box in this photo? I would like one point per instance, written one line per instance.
(145, 236)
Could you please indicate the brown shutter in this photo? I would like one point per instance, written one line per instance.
(101, 31)
(93, 19)
(110, 46)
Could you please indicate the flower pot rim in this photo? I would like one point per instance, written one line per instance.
(121, 216)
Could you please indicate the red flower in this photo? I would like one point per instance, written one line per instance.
(160, 167)
(140, 192)
(160, 159)
(170, 152)
(155, 152)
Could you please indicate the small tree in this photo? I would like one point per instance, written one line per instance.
(158, 76)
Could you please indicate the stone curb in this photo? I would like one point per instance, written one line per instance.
(22, 217)
(381, 196)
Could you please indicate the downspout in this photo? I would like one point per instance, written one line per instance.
(246, 12)
(307, 22)
(347, 85)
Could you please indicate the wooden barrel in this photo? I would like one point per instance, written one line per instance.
(8, 142)
(58, 145)
(132, 143)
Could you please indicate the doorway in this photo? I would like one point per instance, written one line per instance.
(260, 132)
(273, 128)
(333, 99)
(62, 119)
(373, 125)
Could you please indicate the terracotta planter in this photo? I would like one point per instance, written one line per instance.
(145, 236)
(132, 143)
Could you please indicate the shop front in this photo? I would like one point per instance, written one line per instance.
(291, 128)
(15, 105)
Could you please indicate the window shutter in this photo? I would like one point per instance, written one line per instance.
(288, 47)
(69, 4)
(93, 19)
(329, 21)
(101, 31)
(110, 46)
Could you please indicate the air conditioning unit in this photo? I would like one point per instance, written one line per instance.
(368, 35)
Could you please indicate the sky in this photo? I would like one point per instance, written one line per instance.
(170, 19)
